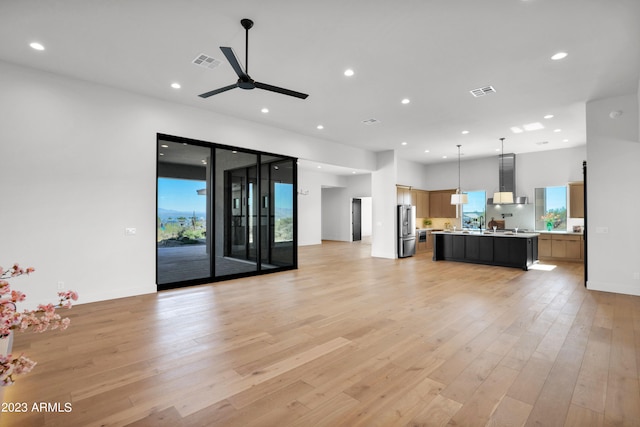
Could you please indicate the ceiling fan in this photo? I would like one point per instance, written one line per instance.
(244, 81)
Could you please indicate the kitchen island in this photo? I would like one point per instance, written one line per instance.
(506, 249)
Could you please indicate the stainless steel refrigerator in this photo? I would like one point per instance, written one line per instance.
(406, 230)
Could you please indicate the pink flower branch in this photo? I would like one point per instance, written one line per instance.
(39, 320)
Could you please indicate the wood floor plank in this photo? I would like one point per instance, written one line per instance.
(346, 340)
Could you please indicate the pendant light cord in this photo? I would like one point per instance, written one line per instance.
(502, 166)
(459, 189)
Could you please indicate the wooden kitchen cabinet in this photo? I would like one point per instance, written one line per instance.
(576, 199)
(440, 204)
(422, 204)
(544, 246)
(561, 247)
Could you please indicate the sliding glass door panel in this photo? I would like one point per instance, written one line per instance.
(182, 212)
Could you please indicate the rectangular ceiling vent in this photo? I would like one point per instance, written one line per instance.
(206, 61)
(482, 91)
(370, 121)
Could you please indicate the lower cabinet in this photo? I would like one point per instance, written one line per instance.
(564, 247)
(521, 252)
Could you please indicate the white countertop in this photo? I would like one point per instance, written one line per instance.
(489, 233)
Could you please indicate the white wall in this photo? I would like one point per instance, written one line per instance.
(79, 165)
(383, 188)
(336, 214)
(412, 174)
(533, 170)
(612, 195)
(367, 216)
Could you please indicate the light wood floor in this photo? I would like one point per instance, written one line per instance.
(346, 340)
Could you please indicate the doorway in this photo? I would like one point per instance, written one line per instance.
(222, 212)
(356, 219)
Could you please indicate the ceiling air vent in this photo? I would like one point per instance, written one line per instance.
(482, 91)
(370, 121)
(206, 61)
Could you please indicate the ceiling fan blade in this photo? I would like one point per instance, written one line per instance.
(217, 91)
(281, 90)
(233, 61)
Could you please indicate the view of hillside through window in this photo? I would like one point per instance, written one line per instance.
(181, 212)
(283, 215)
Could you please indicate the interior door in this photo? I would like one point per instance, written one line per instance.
(356, 213)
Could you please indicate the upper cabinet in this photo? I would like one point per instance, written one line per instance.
(422, 204)
(440, 204)
(576, 199)
(404, 196)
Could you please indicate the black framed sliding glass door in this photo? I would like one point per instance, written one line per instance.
(222, 212)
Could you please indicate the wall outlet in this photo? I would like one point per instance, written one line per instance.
(61, 286)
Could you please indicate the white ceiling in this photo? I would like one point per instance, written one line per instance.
(432, 52)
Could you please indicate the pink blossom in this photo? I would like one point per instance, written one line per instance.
(39, 320)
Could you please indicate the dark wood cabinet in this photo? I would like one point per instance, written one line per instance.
(508, 251)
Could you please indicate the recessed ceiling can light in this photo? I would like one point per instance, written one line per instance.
(353, 172)
(549, 116)
(319, 127)
(465, 132)
(36, 46)
(349, 72)
(319, 167)
(557, 130)
(176, 85)
(565, 140)
(406, 101)
(533, 126)
(444, 157)
(404, 142)
(516, 129)
(559, 55)
(265, 110)
(164, 146)
(426, 151)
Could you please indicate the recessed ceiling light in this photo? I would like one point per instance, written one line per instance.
(549, 116)
(234, 152)
(533, 126)
(176, 85)
(497, 149)
(559, 55)
(464, 132)
(426, 151)
(557, 130)
(565, 140)
(265, 110)
(162, 154)
(516, 129)
(349, 72)
(406, 101)
(164, 146)
(320, 127)
(353, 172)
(319, 167)
(36, 46)
(404, 142)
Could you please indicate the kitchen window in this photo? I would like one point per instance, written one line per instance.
(551, 208)
(474, 213)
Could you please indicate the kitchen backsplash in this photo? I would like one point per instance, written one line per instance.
(440, 223)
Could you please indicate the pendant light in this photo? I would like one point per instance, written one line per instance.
(459, 198)
(502, 196)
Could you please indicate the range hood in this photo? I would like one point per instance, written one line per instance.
(507, 174)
